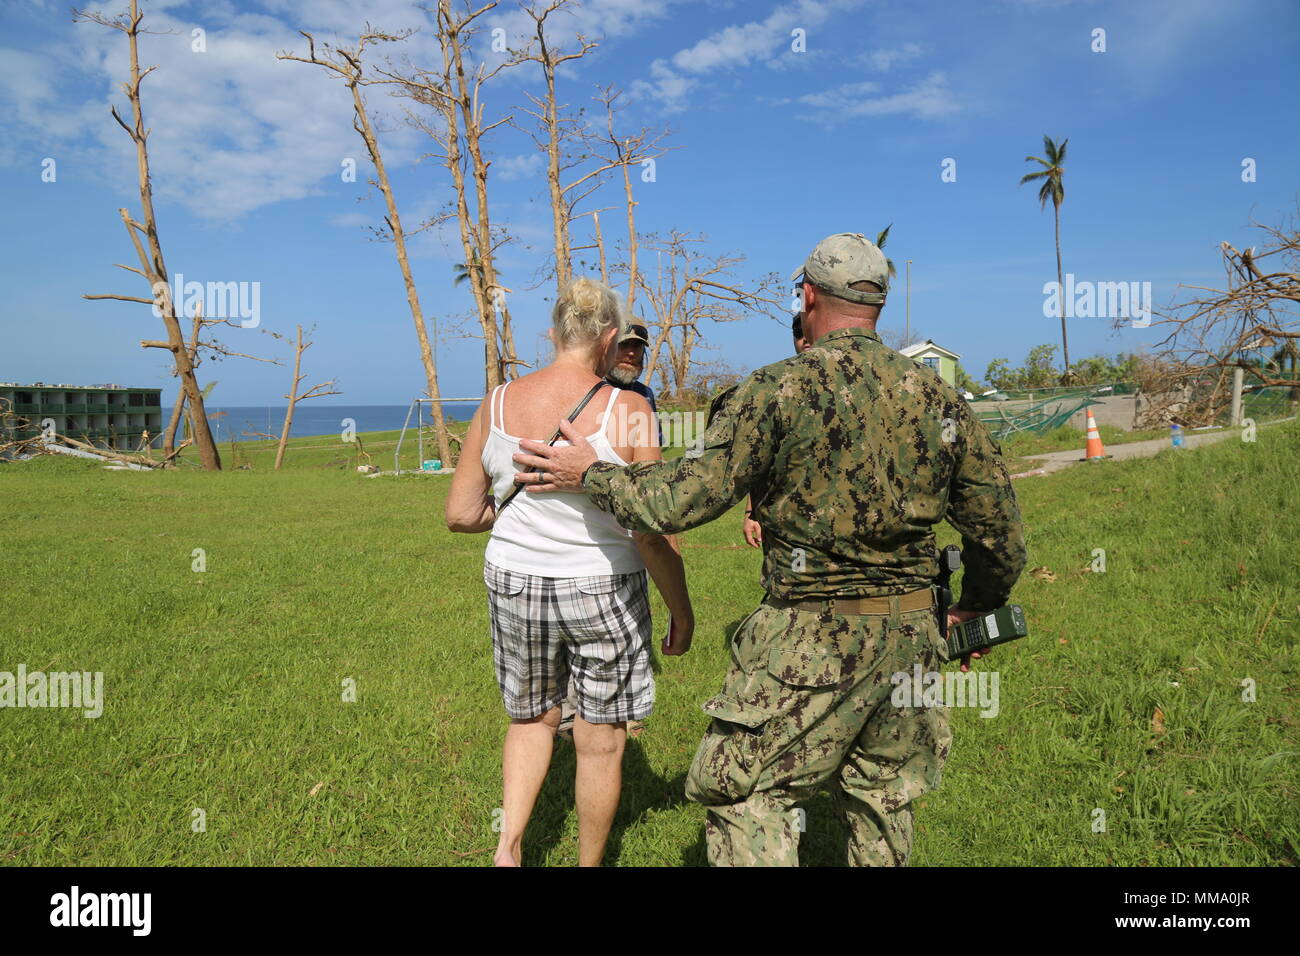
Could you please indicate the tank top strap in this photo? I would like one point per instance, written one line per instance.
(497, 407)
(609, 407)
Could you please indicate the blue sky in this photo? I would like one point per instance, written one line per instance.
(776, 150)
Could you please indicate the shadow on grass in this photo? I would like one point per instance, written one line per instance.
(644, 790)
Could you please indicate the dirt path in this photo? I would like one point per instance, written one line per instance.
(1056, 460)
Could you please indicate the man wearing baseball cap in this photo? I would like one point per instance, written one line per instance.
(851, 453)
(630, 361)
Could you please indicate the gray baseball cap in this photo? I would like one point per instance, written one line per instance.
(842, 259)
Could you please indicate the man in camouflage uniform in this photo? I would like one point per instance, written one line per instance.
(852, 453)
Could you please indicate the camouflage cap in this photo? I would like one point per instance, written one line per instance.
(842, 259)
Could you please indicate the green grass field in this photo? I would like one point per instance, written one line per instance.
(224, 688)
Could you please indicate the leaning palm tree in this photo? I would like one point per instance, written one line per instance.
(1053, 188)
(881, 239)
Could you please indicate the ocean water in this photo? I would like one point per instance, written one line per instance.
(311, 418)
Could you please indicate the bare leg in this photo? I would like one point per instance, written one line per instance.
(599, 780)
(524, 762)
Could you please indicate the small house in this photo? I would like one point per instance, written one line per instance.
(936, 357)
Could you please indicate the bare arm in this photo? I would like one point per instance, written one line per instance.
(470, 507)
(664, 562)
(661, 553)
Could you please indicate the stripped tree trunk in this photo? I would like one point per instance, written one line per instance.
(294, 396)
(348, 66)
(152, 266)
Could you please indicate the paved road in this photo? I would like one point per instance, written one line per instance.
(1055, 461)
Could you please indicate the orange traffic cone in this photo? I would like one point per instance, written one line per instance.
(1095, 449)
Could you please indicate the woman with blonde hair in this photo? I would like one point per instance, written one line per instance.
(567, 595)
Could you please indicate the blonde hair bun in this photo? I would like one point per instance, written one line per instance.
(586, 308)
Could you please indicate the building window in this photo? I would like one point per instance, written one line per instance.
(932, 361)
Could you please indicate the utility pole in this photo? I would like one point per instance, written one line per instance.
(907, 333)
(1237, 379)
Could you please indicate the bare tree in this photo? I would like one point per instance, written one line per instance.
(689, 286)
(152, 267)
(1250, 324)
(557, 129)
(598, 242)
(899, 339)
(458, 130)
(295, 394)
(347, 64)
(196, 347)
(615, 151)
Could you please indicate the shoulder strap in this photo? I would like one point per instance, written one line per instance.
(577, 409)
(554, 438)
(609, 407)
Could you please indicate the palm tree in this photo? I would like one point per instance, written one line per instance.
(881, 239)
(461, 271)
(1052, 173)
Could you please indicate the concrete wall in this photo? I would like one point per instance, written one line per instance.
(1117, 410)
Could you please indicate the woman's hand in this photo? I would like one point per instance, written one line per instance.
(678, 639)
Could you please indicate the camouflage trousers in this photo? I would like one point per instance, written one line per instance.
(808, 698)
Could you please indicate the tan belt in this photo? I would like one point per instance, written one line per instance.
(917, 600)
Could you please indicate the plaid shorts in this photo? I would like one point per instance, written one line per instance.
(595, 628)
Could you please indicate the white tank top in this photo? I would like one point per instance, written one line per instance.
(552, 534)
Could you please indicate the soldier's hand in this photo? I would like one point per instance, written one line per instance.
(555, 468)
(753, 532)
(956, 617)
(678, 639)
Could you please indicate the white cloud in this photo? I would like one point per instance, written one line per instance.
(931, 98)
(884, 60)
(232, 127)
(594, 19)
(518, 167)
(351, 220)
(674, 78)
(345, 19)
(834, 98)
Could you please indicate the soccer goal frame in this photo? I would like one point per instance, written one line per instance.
(417, 409)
